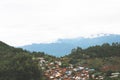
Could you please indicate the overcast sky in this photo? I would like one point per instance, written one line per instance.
(39, 21)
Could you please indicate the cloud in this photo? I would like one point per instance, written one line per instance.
(36, 21)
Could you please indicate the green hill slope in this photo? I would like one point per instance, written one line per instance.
(105, 57)
(17, 64)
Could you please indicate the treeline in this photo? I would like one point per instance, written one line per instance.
(105, 50)
(17, 64)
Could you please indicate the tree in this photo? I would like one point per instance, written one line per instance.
(20, 67)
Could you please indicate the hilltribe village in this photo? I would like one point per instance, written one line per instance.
(54, 71)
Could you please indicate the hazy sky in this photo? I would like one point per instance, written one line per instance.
(36, 21)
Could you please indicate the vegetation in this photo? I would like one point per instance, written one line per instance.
(103, 58)
(19, 64)
(105, 50)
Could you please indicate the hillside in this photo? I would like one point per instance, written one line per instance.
(63, 47)
(100, 60)
(97, 57)
(17, 64)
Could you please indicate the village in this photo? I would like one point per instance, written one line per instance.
(54, 71)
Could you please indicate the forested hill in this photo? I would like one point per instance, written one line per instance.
(97, 57)
(6, 49)
(18, 64)
(105, 50)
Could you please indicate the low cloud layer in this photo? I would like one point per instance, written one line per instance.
(37, 21)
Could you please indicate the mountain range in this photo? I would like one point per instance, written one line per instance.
(63, 47)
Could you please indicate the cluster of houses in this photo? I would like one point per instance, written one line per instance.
(54, 71)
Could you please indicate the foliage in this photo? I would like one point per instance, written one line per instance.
(97, 57)
(105, 50)
(17, 64)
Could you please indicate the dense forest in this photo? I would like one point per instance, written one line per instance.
(19, 64)
(105, 50)
(97, 56)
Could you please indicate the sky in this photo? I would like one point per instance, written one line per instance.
(25, 22)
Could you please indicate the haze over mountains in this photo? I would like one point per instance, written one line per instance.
(64, 46)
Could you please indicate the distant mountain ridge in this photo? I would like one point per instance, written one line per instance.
(64, 46)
